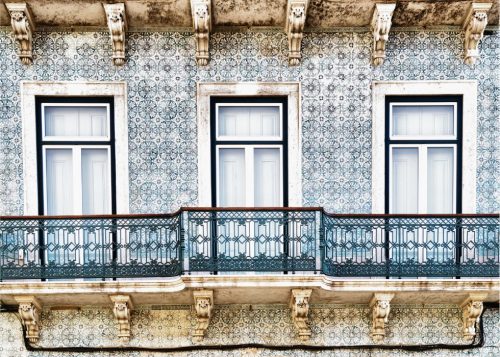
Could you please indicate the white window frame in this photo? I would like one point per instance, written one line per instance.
(247, 89)
(468, 90)
(31, 89)
(76, 151)
(421, 137)
(249, 169)
(76, 138)
(248, 138)
(422, 173)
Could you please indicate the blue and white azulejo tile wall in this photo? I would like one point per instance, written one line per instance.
(335, 73)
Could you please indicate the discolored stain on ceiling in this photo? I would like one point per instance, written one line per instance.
(322, 14)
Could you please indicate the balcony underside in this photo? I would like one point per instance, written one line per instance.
(321, 15)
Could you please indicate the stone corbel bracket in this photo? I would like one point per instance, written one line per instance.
(201, 10)
(117, 24)
(23, 27)
(381, 307)
(474, 25)
(29, 311)
(203, 305)
(121, 309)
(381, 25)
(472, 307)
(299, 305)
(296, 18)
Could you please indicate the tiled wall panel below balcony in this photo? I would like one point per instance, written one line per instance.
(166, 327)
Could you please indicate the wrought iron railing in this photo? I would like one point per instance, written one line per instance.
(222, 240)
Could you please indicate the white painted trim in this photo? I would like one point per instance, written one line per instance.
(289, 89)
(466, 88)
(422, 137)
(75, 138)
(422, 150)
(31, 89)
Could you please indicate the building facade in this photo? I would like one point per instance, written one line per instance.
(291, 178)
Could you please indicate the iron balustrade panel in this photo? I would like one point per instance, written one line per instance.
(253, 241)
(411, 246)
(90, 248)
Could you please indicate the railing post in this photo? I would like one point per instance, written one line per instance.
(181, 242)
(321, 242)
(458, 247)
(41, 249)
(114, 245)
(387, 248)
(213, 240)
(286, 244)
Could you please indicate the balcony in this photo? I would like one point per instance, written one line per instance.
(220, 241)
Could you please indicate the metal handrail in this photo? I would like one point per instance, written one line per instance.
(241, 239)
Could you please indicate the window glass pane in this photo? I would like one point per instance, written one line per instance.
(404, 191)
(95, 181)
(440, 181)
(59, 181)
(76, 121)
(267, 177)
(254, 121)
(423, 120)
(232, 177)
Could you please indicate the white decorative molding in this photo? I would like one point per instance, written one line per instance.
(381, 307)
(30, 90)
(249, 89)
(121, 309)
(117, 23)
(201, 10)
(381, 25)
(468, 90)
(23, 27)
(296, 18)
(203, 305)
(474, 25)
(29, 311)
(472, 307)
(299, 305)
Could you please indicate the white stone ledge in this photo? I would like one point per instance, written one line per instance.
(246, 289)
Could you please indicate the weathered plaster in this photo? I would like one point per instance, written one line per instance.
(323, 14)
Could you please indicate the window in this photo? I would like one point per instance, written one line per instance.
(423, 151)
(76, 151)
(249, 151)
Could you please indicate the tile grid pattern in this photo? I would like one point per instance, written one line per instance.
(336, 99)
(332, 325)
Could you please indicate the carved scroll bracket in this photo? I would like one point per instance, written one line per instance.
(295, 21)
(201, 11)
(381, 25)
(299, 305)
(122, 307)
(474, 25)
(23, 27)
(117, 23)
(203, 305)
(472, 307)
(381, 307)
(29, 311)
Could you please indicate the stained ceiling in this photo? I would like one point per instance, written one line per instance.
(322, 15)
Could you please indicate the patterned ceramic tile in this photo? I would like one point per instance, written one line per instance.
(240, 324)
(336, 104)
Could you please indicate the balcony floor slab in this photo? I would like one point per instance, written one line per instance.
(248, 289)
